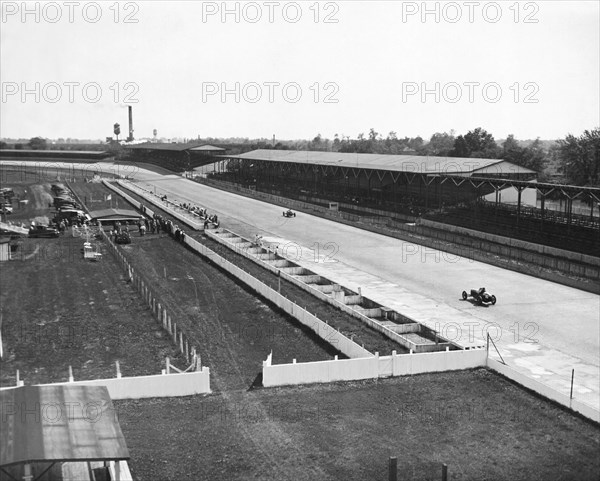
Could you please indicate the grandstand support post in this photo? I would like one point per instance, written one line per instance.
(519, 191)
(393, 469)
(543, 207)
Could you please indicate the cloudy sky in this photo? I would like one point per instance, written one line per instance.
(296, 69)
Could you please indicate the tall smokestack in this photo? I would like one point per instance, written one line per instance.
(130, 108)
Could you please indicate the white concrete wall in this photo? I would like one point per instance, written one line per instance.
(223, 237)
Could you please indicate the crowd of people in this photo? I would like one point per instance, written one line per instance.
(202, 213)
(158, 224)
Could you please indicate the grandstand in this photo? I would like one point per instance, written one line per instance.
(484, 194)
(173, 156)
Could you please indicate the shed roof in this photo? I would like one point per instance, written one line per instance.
(59, 423)
(398, 163)
(115, 214)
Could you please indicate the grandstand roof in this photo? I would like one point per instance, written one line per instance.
(173, 147)
(207, 148)
(398, 163)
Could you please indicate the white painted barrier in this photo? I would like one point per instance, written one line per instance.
(224, 237)
(161, 385)
(370, 368)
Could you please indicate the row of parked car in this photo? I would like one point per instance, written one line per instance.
(66, 205)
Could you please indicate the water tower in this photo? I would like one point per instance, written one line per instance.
(155, 133)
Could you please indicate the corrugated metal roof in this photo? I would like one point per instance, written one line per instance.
(174, 147)
(111, 214)
(207, 148)
(59, 423)
(398, 163)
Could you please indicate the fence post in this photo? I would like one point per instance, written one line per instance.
(393, 469)
(572, 378)
(444, 472)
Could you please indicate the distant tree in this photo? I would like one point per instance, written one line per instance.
(37, 143)
(415, 143)
(511, 150)
(579, 158)
(534, 156)
(18, 146)
(3, 145)
(440, 144)
(476, 143)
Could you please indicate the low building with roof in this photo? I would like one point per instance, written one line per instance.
(106, 216)
(64, 432)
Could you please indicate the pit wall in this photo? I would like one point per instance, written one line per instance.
(473, 246)
(162, 385)
(320, 328)
(339, 303)
(173, 209)
(370, 368)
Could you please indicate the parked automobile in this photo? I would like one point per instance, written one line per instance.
(43, 231)
(123, 238)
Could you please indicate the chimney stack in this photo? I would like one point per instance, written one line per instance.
(130, 138)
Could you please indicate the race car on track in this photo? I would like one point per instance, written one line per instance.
(289, 213)
(480, 296)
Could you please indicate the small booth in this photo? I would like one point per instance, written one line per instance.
(61, 431)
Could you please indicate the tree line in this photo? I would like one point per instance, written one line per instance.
(573, 160)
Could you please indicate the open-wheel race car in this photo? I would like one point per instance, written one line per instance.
(480, 296)
(289, 213)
